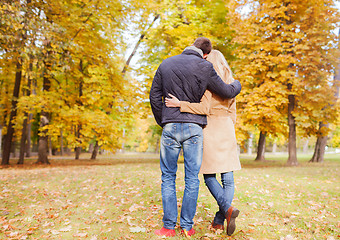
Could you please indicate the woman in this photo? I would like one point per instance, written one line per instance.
(220, 154)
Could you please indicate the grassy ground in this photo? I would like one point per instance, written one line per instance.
(118, 197)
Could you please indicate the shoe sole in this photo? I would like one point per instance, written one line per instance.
(168, 234)
(232, 226)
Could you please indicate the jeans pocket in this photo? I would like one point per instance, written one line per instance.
(168, 134)
(195, 133)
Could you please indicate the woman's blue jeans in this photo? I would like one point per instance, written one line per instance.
(223, 194)
(175, 136)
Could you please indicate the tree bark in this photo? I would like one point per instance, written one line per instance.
(23, 141)
(24, 134)
(10, 129)
(292, 158)
(28, 138)
(78, 149)
(0, 140)
(77, 152)
(44, 120)
(61, 143)
(91, 148)
(95, 151)
(320, 146)
(43, 140)
(261, 147)
(32, 88)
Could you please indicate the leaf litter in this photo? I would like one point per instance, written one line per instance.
(113, 202)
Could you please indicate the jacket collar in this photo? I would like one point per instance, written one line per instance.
(193, 50)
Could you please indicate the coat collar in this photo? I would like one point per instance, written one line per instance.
(193, 50)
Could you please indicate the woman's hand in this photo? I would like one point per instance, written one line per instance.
(172, 102)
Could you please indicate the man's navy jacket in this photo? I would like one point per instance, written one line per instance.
(186, 76)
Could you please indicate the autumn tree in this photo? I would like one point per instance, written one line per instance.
(77, 54)
(14, 15)
(328, 109)
(276, 63)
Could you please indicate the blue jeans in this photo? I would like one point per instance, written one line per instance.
(175, 136)
(223, 195)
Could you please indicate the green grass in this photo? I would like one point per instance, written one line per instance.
(118, 197)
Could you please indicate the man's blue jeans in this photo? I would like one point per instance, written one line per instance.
(223, 194)
(175, 136)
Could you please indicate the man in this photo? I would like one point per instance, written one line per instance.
(187, 76)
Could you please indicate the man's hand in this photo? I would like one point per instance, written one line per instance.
(172, 102)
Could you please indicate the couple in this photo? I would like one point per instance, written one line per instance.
(187, 76)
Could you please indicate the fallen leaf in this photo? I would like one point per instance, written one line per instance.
(66, 229)
(137, 229)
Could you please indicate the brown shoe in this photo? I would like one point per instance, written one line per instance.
(217, 226)
(230, 215)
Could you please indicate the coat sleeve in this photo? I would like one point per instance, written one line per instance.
(156, 97)
(201, 108)
(216, 85)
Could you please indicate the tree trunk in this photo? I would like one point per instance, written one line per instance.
(31, 89)
(77, 152)
(10, 129)
(91, 148)
(320, 146)
(28, 138)
(95, 151)
(292, 158)
(23, 141)
(24, 134)
(43, 140)
(61, 143)
(44, 120)
(78, 135)
(0, 141)
(261, 147)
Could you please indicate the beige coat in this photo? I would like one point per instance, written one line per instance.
(220, 152)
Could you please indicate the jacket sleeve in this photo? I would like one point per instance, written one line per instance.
(156, 97)
(216, 85)
(201, 108)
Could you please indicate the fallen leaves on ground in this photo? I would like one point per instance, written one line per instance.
(124, 202)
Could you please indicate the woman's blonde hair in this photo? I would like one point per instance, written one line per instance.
(221, 65)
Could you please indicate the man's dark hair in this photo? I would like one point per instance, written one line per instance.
(204, 44)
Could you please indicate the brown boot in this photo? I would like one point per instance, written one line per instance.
(230, 215)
